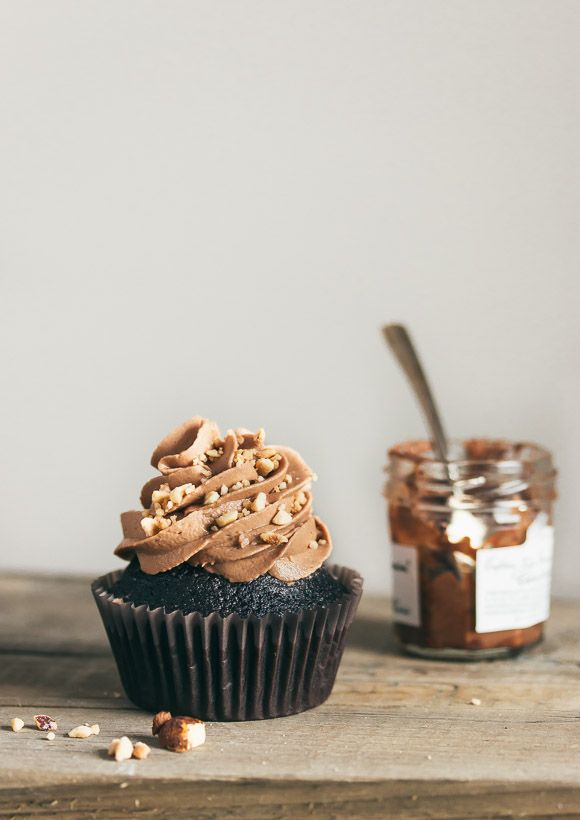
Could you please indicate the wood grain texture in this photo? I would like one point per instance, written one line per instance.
(397, 738)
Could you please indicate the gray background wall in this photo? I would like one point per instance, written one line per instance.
(211, 207)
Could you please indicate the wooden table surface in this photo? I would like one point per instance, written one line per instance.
(398, 737)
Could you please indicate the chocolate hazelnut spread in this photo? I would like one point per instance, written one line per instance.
(460, 591)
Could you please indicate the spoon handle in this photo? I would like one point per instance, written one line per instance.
(400, 343)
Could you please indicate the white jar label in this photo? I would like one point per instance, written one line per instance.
(406, 600)
(512, 584)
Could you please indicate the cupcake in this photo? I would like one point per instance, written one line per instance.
(227, 609)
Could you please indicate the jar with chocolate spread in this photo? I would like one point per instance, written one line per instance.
(472, 547)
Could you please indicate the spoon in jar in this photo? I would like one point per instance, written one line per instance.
(399, 341)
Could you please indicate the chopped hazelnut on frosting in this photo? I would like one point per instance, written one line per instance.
(227, 518)
(264, 466)
(259, 502)
(273, 538)
(282, 518)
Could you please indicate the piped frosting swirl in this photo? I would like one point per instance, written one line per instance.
(230, 505)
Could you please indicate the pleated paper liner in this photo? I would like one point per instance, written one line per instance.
(230, 668)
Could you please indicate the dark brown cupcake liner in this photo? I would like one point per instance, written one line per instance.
(230, 668)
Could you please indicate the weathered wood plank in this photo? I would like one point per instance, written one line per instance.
(46, 615)
(266, 799)
(397, 737)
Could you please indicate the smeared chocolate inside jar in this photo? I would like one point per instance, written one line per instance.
(488, 497)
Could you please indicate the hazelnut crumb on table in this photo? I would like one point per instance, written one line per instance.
(180, 733)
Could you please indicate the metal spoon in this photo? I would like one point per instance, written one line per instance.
(400, 343)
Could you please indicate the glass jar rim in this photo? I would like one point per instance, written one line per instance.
(522, 453)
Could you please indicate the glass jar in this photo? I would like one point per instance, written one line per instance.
(472, 547)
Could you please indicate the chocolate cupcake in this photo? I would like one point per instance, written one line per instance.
(227, 609)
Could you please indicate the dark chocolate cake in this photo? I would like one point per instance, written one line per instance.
(192, 589)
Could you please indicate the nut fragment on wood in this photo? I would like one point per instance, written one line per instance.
(112, 746)
(121, 748)
(45, 723)
(81, 732)
(141, 750)
(158, 721)
(182, 734)
(16, 724)
(95, 729)
(475, 702)
(50, 736)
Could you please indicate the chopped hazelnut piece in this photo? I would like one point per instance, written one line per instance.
(161, 495)
(282, 518)
(211, 497)
(112, 746)
(96, 729)
(151, 526)
(45, 723)
(267, 453)
(313, 545)
(259, 502)
(148, 525)
(141, 750)
(264, 466)
(50, 735)
(227, 518)
(475, 702)
(122, 749)
(81, 732)
(158, 721)
(243, 456)
(223, 489)
(16, 724)
(181, 734)
(176, 496)
(273, 538)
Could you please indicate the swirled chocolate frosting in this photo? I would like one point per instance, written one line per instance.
(231, 505)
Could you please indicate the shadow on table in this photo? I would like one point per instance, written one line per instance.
(375, 634)
(39, 677)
